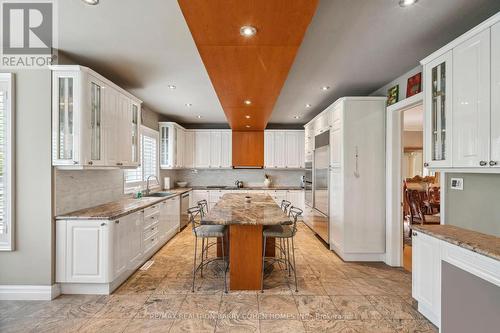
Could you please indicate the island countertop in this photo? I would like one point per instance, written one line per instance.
(484, 244)
(232, 209)
(116, 209)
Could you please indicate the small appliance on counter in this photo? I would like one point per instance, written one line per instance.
(238, 183)
(166, 183)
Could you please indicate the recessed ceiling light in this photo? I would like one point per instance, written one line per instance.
(91, 2)
(247, 31)
(189, 105)
(247, 116)
(308, 105)
(199, 117)
(406, 3)
(247, 102)
(296, 117)
(171, 86)
(247, 126)
(325, 88)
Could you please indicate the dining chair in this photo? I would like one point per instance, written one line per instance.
(206, 232)
(417, 215)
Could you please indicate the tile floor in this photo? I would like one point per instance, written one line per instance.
(333, 297)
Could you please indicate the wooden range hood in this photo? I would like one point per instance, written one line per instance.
(248, 68)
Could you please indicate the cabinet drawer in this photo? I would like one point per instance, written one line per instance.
(152, 229)
(155, 209)
(151, 242)
(151, 220)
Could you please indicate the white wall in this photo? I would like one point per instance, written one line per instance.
(32, 261)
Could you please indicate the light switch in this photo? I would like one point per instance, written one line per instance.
(457, 184)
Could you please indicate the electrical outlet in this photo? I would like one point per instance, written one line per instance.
(457, 184)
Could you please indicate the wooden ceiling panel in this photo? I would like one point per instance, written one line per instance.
(248, 68)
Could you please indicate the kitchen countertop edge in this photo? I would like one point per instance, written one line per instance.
(77, 215)
(487, 245)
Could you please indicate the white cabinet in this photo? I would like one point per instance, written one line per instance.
(199, 195)
(83, 251)
(226, 149)
(202, 149)
(296, 197)
(284, 149)
(308, 142)
(471, 107)
(438, 103)
(189, 149)
(495, 96)
(95, 122)
(461, 84)
(278, 195)
(426, 274)
(357, 178)
(172, 138)
(120, 246)
(215, 149)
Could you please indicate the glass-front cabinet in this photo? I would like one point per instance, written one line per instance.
(168, 145)
(84, 120)
(437, 76)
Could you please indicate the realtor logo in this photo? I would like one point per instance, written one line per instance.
(28, 33)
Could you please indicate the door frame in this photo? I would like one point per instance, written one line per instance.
(394, 177)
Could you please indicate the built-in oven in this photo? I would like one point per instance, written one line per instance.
(308, 184)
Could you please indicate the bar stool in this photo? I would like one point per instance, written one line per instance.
(204, 207)
(205, 232)
(283, 232)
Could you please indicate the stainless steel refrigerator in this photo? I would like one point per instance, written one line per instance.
(321, 191)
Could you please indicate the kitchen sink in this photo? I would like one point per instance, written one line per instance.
(160, 194)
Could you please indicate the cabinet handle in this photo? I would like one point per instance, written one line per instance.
(103, 224)
(493, 163)
(119, 163)
(91, 163)
(483, 163)
(117, 221)
(75, 162)
(414, 234)
(426, 164)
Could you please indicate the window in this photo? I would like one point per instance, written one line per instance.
(148, 161)
(6, 162)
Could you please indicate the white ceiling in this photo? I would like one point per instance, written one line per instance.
(413, 119)
(353, 46)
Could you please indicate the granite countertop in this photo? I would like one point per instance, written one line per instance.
(116, 209)
(232, 188)
(484, 244)
(232, 209)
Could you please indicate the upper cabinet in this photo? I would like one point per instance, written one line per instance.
(171, 145)
(462, 117)
(284, 149)
(95, 122)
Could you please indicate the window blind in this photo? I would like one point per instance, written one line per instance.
(3, 226)
(148, 160)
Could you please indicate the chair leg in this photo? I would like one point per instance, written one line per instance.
(194, 264)
(224, 263)
(202, 254)
(288, 257)
(294, 267)
(262, 275)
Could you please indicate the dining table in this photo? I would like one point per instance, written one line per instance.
(246, 215)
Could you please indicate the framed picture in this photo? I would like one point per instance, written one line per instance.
(414, 85)
(393, 95)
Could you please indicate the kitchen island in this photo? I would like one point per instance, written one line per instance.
(245, 222)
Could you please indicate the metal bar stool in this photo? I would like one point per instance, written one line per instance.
(204, 207)
(285, 232)
(205, 232)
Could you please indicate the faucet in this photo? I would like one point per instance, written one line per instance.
(147, 183)
(238, 183)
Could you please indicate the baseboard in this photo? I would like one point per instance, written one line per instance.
(347, 256)
(29, 292)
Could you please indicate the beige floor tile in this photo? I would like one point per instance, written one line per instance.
(340, 287)
(161, 307)
(193, 325)
(277, 307)
(355, 307)
(176, 286)
(413, 326)
(394, 307)
(370, 286)
(235, 325)
(104, 325)
(82, 306)
(200, 306)
(330, 326)
(239, 305)
(122, 306)
(148, 326)
(17, 325)
(316, 308)
(59, 325)
(281, 326)
(371, 326)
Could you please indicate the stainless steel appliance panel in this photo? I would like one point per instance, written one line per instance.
(321, 191)
(308, 184)
(184, 208)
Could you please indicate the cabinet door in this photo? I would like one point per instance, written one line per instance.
(164, 222)
(87, 249)
(302, 142)
(438, 102)
(215, 149)
(165, 146)
(268, 149)
(296, 198)
(426, 272)
(121, 250)
(495, 96)
(202, 149)
(471, 102)
(125, 130)
(92, 115)
(135, 134)
(292, 149)
(66, 122)
(180, 142)
(112, 118)
(226, 149)
(135, 231)
(279, 149)
(336, 148)
(189, 149)
(175, 213)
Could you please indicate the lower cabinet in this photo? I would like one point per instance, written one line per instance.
(96, 256)
(296, 197)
